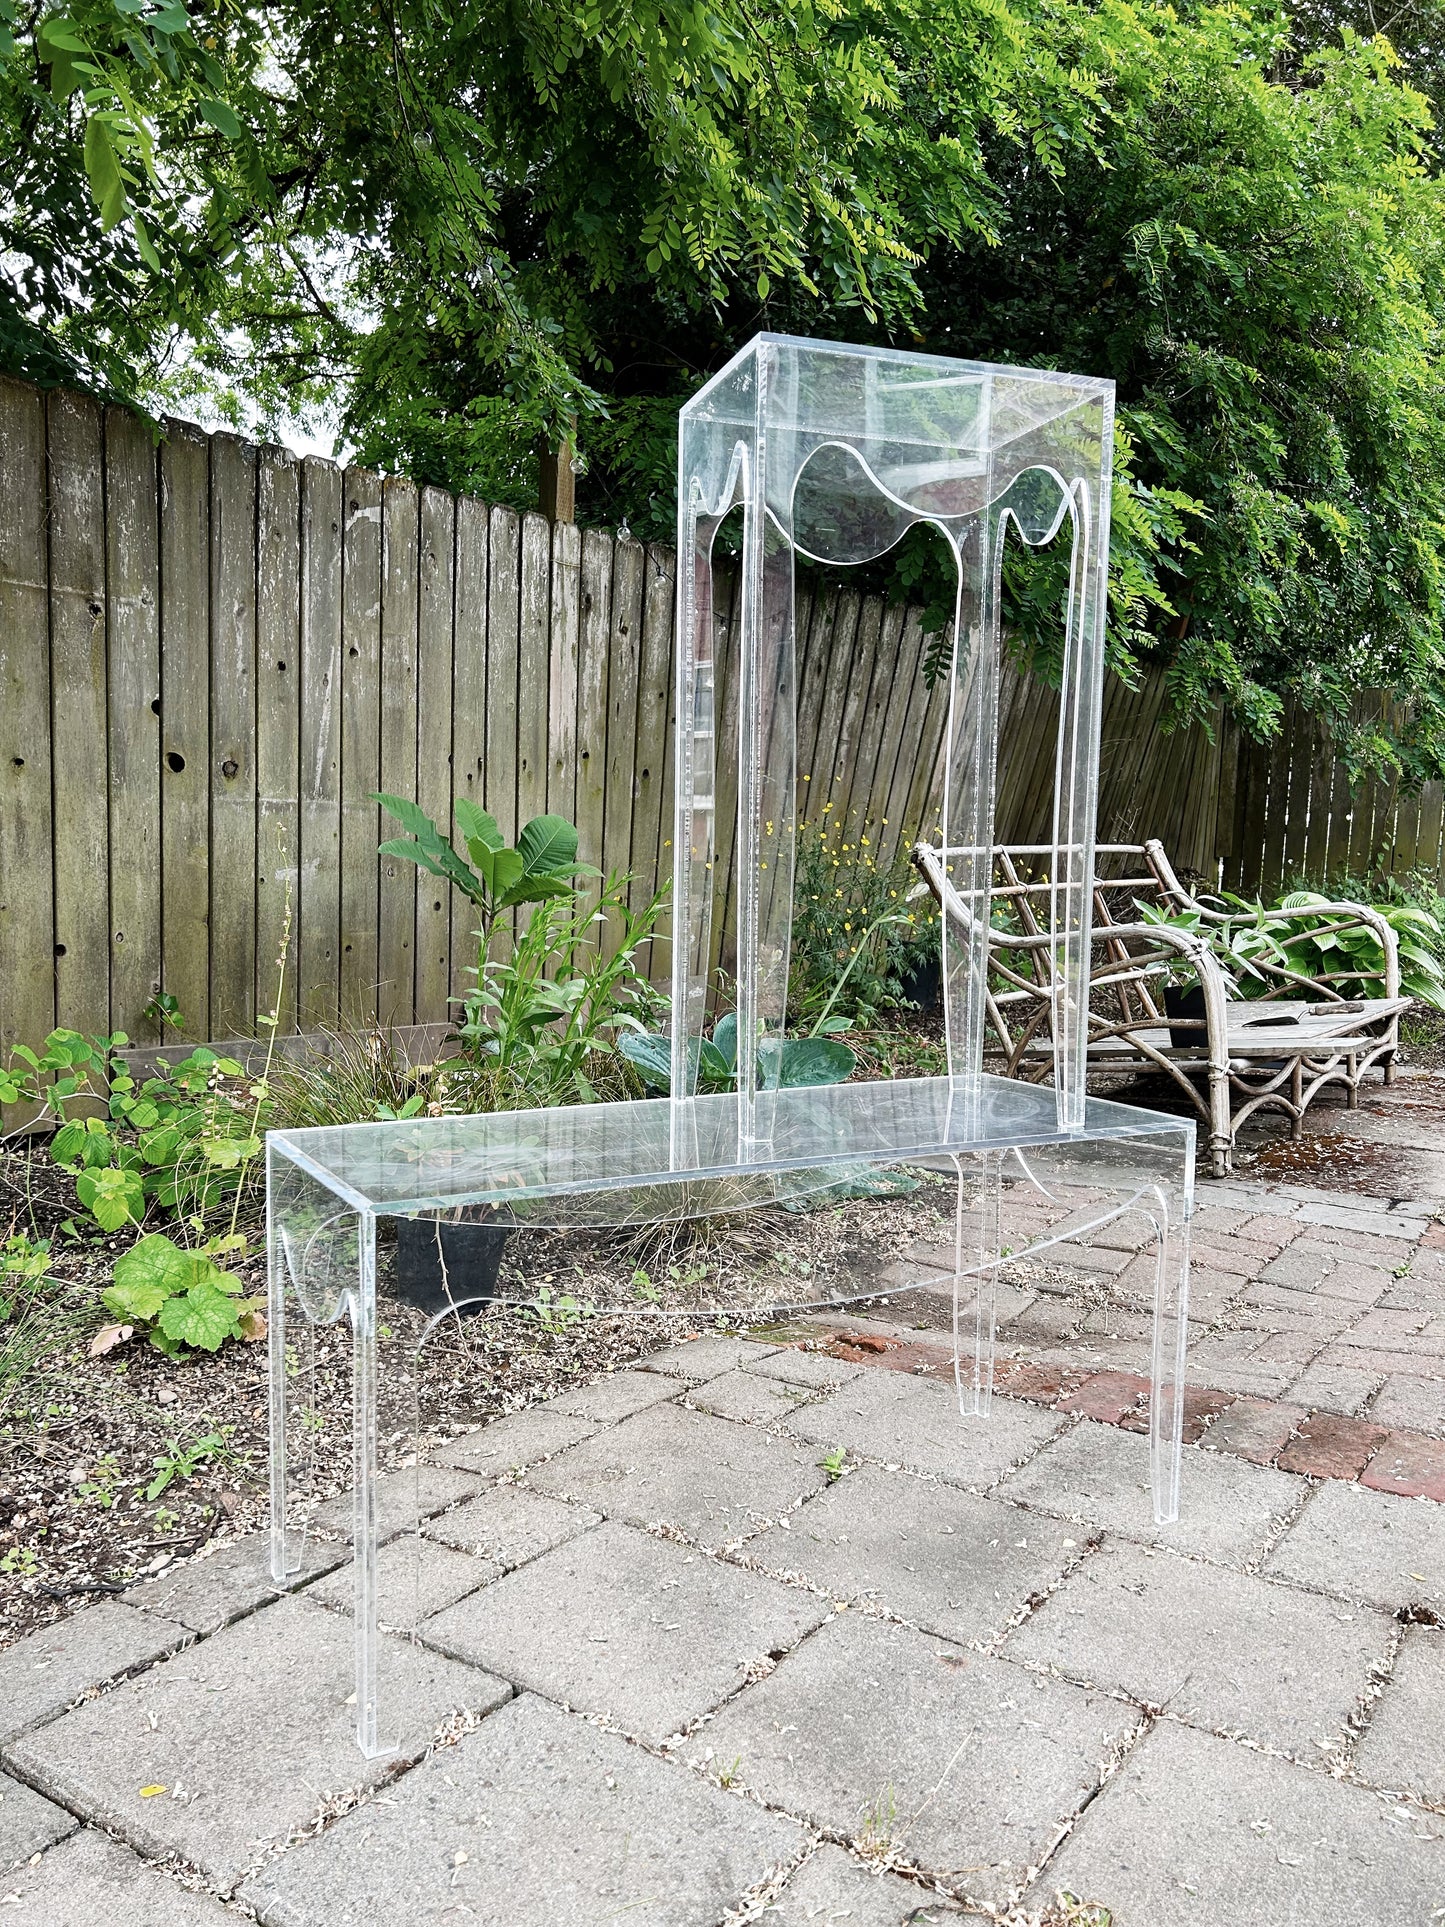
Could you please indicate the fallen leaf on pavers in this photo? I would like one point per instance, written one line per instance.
(150, 1792)
(108, 1337)
(955, 1662)
(252, 1326)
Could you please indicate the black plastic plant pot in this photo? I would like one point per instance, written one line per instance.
(1182, 1003)
(448, 1263)
(922, 983)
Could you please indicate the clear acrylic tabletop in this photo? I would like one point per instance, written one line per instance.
(594, 1155)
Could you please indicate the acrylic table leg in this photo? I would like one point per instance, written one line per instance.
(1171, 1335)
(363, 1541)
(287, 1546)
(977, 1258)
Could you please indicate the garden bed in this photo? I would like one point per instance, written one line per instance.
(114, 1466)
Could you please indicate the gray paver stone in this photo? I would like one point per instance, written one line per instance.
(41, 1674)
(28, 1823)
(634, 1627)
(414, 1577)
(90, 1881)
(703, 1358)
(402, 1497)
(834, 1888)
(1404, 1745)
(952, 1562)
(1303, 1265)
(713, 1481)
(536, 1819)
(208, 1592)
(899, 1419)
(1219, 1648)
(1379, 1224)
(1315, 1194)
(253, 1724)
(509, 1524)
(815, 1371)
(1258, 1364)
(1329, 1386)
(746, 1398)
(616, 1395)
(1366, 1545)
(1416, 1403)
(1199, 1830)
(509, 1443)
(965, 1764)
(1100, 1474)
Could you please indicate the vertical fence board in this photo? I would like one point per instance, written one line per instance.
(77, 711)
(529, 717)
(812, 685)
(911, 749)
(401, 535)
(594, 636)
(278, 732)
(233, 736)
(319, 906)
(908, 671)
(504, 614)
(132, 598)
(562, 682)
(620, 747)
(27, 922)
(652, 819)
(186, 726)
(861, 806)
(471, 670)
(362, 678)
(436, 581)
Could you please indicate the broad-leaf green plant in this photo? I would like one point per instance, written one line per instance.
(787, 1063)
(181, 1298)
(543, 867)
(544, 1023)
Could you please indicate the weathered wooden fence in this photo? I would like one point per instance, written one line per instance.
(211, 655)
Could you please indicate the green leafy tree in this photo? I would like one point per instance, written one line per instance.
(459, 228)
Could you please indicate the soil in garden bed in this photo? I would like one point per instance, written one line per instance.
(114, 1466)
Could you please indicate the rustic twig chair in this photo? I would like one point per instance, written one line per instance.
(830, 452)
(1274, 1050)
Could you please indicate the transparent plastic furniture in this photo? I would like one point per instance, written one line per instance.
(832, 453)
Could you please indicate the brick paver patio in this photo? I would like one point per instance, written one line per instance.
(684, 1677)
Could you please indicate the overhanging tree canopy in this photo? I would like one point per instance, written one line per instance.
(462, 226)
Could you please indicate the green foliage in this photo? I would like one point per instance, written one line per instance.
(788, 1063)
(352, 1075)
(460, 228)
(36, 1317)
(543, 1024)
(179, 1143)
(1350, 959)
(541, 868)
(1262, 946)
(860, 928)
(182, 1138)
(558, 1312)
(184, 1458)
(1258, 265)
(181, 1297)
